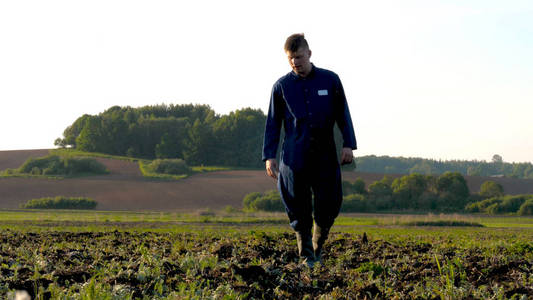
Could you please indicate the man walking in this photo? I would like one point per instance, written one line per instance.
(308, 102)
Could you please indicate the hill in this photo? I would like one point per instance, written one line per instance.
(125, 188)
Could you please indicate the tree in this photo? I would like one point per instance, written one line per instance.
(169, 147)
(453, 190)
(200, 146)
(90, 136)
(497, 159)
(491, 189)
(408, 189)
(239, 137)
(380, 192)
(72, 132)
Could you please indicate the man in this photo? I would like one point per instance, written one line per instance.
(308, 102)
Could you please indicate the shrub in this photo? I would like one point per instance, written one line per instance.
(268, 201)
(512, 204)
(482, 206)
(498, 205)
(526, 209)
(356, 203)
(82, 165)
(250, 198)
(490, 189)
(56, 165)
(61, 202)
(169, 166)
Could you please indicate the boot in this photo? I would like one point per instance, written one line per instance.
(305, 248)
(320, 235)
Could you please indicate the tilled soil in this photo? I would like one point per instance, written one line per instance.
(124, 188)
(258, 265)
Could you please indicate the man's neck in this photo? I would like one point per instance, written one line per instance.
(307, 71)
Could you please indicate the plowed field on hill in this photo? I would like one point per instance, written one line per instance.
(125, 188)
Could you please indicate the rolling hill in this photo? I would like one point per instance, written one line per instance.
(126, 189)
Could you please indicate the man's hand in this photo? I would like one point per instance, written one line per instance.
(346, 156)
(272, 168)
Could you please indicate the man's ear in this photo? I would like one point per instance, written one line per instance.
(310, 52)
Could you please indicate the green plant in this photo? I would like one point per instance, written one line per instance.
(61, 202)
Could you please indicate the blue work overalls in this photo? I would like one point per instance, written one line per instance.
(308, 109)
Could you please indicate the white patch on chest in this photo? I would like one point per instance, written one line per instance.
(322, 92)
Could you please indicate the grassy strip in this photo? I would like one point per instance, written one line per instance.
(450, 223)
(203, 169)
(238, 217)
(77, 153)
(5, 174)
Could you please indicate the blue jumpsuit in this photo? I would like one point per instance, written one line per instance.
(308, 109)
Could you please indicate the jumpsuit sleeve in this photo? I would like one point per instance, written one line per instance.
(343, 118)
(273, 124)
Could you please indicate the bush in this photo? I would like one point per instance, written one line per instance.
(250, 198)
(356, 187)
(498, 205)
(526, 209)
(61, 202)
(169, 166)
(490, 189)
(356, 203)
(56, 165)
(268, 201)
(512, 204)
(482, 206)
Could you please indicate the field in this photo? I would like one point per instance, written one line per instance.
(187, 239)
(124, 188)
(233, 255)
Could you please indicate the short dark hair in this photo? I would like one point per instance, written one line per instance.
(294, 42)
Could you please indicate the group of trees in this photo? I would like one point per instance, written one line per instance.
(402, 165)
(448, 192)
(518, 204)
(198, 135)
(190, 132)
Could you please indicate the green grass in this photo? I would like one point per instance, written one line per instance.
(202, 169)
(238, 217)
(3, 174)
(77, 153)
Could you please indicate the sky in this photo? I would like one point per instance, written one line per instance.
(434, 79)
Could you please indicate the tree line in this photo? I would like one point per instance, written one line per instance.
(194, 133)
(448, 192)
(403, 165)
(200, 136)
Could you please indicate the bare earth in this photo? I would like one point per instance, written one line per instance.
(125, 188)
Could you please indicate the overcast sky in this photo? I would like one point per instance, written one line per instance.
(433, 79)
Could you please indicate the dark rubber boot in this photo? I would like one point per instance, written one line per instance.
(320, 235)
(305, 248)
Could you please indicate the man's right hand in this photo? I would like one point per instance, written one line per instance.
(272, 168)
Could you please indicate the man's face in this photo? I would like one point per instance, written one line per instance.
(299, 61)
